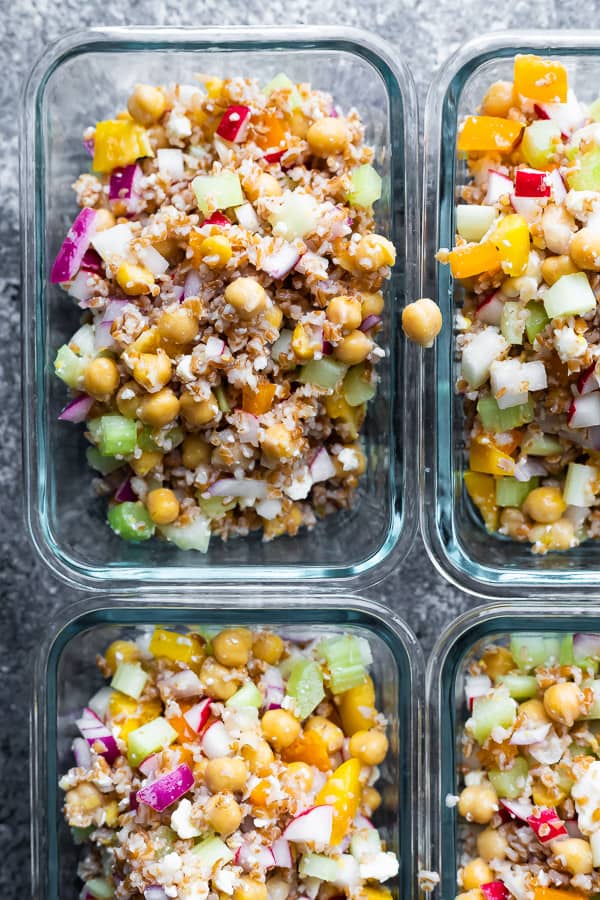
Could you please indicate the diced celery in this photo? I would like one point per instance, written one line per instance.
(586, 176)
(365, 187)
(131, 521)
(579, 489)
(280, 82)
(539, 143)
(80, 835)
(100, 888)
(153, 439)
(215, 507)
(117, 435)
(248, 695)
(520, 687)
(305, 685)
(149, 738)
(536, 320)
(103, 464)
(317, 865)
(541, 445)
(511, 492)
(357, 388)
(130, 679)
(94, 427)
(473, 220)
(552, 644)
(222, 399)
(194, 536)
(495, 419)
(69, 367)
(145, 441)
(163, 838)
(512, 323)
(532, 650)
(324, 373)
(345, 662)
(218, 191)
(495, 709)
(510, 783)
(566, 656)
(210, 851)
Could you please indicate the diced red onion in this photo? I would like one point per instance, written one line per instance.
(517, 809)
(69, 257)
(234, 124)
(249, 428)
(133, 804)
(156, 892)
(83, 286)
(495, 890)
(476, 686)
(170, 163)
(167, 789)
(88, 146)
(103, 339)
(272, 687)
(281, 262)
(77, 409)
(217, 218)
(587, 381)
(248, 856)
(528, 468)
(125, 492)
(81, 753)
(269, 509)
(153, 260)
(247, 218)
(249, 488)
(149, 765)
(559, 191)
(177, 291)
(321, 467)
(216, 741)
(547, 825)
(498, 186)
(273, 157)
(184, 684)
(327, 348)
(125, 186)
(92, 261)
(586, 644)
(95, 732)
(192, 284)
(370, 322)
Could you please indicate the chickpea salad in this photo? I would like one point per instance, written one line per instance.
(527, 254)
(236, 764)
(227, 265)
(529, 810)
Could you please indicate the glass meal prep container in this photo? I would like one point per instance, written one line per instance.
(454, 533)
(66, 675)
(67, 524)
(461, 643)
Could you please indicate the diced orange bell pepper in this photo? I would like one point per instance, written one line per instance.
(357, 707)
(119, 142)
(342, 790)
(540, 79)
(485, 457)
(185, 734)
(309, 748)
(483, 134)
(272, 133)
(473, 259)
(482, 491)
(508, 441)
(259, 795)
(259, 401)
(184, 755)
(171, 645)
(511, 239)
(549, 893)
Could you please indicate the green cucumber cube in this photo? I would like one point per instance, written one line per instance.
(324, 373)
(195, 536)
(149, 738)
(495, 419)
(317, 865)
(541, 445)
(489, 712)
(346, 662)
(586, 176)
(130, 679)
(536, 320)
(358, 387)
(539, 144)
(510, 783)
(520, 687)
(365, 187)
(103, 464)
(218, 191)
(211, 851)
(473, 220)
(282, 82)
(214, 507)
(305, 686)
(69, 367)
(571, 295)
(131, 521)
(248, 695)
(117, 436)
(532, 650)
(510, 492)
(512, 323)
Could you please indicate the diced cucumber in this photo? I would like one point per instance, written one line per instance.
(495, 709)
(131, 521)
(215, 507)
(586, 175)
(541, 445)
(532, 650)
(520, 687)
(511, 492)
(117, 436)
(317, 865)
(358, 387)
(510, 783)
(280, 82)
(69, 367)
(345, 661)
(512, 323)
(571, 295)
(100, 888)
(324, 373)
(579, 489)
(149, 738)
(536, 320)
(365, 843)
(163, 840)
(103, 464)
(130, 679)
(495, 419)
(539, 143)
(594, 712)
(195, 536)
(212, 850)
(305, 686)
(248, 695)
(473, 220)
(218, 191)
(148, 438)
(296, 214)
(365, 187)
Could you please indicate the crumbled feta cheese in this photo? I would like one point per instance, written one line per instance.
(586, 794)
(178, 127)
(380, 867)
(181, 822)
(225, 880)
(475, 777)
(300, 486)
(569, 344)
(349, 459)
(451, 800)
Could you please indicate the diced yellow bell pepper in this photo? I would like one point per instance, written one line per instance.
(374, 893)
(213, 86)
(511, 239)
(485, 457)
(549, 893)
(342, 791)
(128, 726)
(259, 401)
(482, 134)
(473, 259)
(111, 812)
(170, 644)
(540, 79)
(482, 491)
(271, 133)
(121, 651)
(119, 142)
(338, 408)
(121, 705)
(357, 707)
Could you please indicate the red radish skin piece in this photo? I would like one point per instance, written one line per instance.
(321, 466)
(282, 854)
(197, 716)
(69, 257)
(495, 890)
(234, 123)
(476, 686)
(215, 741)
(490, 309)
(540, 111)
(528, 207)
(588, 381)
(274, 157)
(133, 803)
(312, 826)
(77, 410)
(547, 825)
(217, 218)
(532, 183)
(248, 857)
(517, 810)
(559, 191)
(327, 348)
(584, 411)
(281, 262)
(499, 185)
(167, 789)
(149, 765)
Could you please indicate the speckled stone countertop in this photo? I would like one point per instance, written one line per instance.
(423, 32)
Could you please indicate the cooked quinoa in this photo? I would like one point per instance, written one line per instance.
(240, 764)
(527, 254)
(231, 280)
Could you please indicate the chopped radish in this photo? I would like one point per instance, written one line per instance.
(490, 309)
(272, 685)
(499, 185)
(249, 856)
(321, 467)
(495, 890)
(588, 380)
(217, 218)
(74, 246)
(530, 733)
(517, 809)
(247, 218)
(532, 183)
(567, 116)
(476, 686)
(479, 354)
(279, 263)
(313, 826)
(528, 207)
(559, 191)
(216, 741)
(273, 157)
(215, 348)
(547, 824)
(234, 124)
(149, 765)
(282, 854)
(249, 488)
(584, 411)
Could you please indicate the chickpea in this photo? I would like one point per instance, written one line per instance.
(250, 889)
(85, 797)
(328, 136)
(370, 800)
(562, 702)
(354, 348)
(247, 297)
(259, 758)
(478, 803)
(299, 775)
(422, 321)
(372, 304)
(148, 460)
(332, 735)
(533, 711)
(121, 651)
(304, 343)
(197, 413)
(345, 311)
(499, 99)
(554, 267)
(219, 683)
(216, 251)
(232, 647)
(134, 280)
(263, 186)
(195, 451)
(268, 647)
(280, 728)
(498, 661)
(277, 442)
(147, 104)
(163, 506)
(101, 378)
(147, 342)
(558, 227)
(223, 813)
(584, 249)
(159, 409)
(274, 316)
(374, 251)
(152, 370)
(544, 504)
(226, 774)
(491, 844)
(128, 399)
(104, 220)
(575, 854)
(476, 873)
(558, 535)
(370, 747)
(178, 325)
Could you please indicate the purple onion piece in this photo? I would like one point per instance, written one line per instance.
(370, 322)
(125, 492)
(88, 146)
(77, 409)
(91, 261)
(167, 789)
(69, 257)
